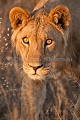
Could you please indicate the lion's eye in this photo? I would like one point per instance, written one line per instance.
(25, 40)
(49, 41)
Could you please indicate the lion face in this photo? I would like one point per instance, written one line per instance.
(39, 39)
(37, 47)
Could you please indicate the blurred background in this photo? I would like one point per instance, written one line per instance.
(9, 86)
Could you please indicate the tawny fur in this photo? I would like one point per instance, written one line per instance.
(40, 26)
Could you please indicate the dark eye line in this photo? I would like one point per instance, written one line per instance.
(46, 43)
(24, 37)
(24, 40)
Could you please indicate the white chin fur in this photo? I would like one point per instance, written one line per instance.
(36, 77)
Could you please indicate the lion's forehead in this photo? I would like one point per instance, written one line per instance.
(41, 31)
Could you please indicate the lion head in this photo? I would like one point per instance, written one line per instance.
(40, 39)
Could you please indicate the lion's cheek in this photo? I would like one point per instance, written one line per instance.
(42, 71)
(22, 50)
(28, 70)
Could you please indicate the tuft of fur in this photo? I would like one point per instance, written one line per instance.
(61, 16)
(18, 17)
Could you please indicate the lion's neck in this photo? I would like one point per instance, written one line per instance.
(33, 95)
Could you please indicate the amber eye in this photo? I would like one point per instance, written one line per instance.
(25, 40)
(48, 41)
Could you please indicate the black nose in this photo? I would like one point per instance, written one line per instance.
(36, 67)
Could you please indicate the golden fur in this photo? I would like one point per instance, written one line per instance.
(51, 61)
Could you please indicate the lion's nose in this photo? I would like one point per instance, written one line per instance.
(35, 67)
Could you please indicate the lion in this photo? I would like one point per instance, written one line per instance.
(47, 44)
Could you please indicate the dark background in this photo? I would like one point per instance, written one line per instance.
(9, 86)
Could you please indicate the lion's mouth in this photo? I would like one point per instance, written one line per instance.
(41, 73)
(34, 74)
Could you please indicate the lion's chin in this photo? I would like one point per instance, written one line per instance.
(36, 77)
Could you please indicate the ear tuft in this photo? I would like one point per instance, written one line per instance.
(18, 17)
(60, 16)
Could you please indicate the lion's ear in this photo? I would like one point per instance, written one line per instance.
(60, 16)
(18, 17)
